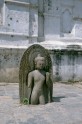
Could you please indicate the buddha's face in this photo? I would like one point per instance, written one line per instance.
(40, 63)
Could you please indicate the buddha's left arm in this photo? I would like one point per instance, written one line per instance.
(49, 84)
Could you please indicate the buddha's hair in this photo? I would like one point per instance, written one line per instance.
(38, 57)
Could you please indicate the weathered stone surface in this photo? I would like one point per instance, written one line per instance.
(29, 21)
(27, 65)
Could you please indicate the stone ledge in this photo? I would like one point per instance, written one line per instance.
(21, 3)
(63, 43)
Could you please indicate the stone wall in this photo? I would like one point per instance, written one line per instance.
(24, 22)
(9, 64)
(62, 18)
(67, 65)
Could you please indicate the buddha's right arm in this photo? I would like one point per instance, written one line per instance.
(30, 83)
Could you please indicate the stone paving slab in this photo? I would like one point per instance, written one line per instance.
(66, 108)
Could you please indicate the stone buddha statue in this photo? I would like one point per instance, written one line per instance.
(35, 76)
(37, 80)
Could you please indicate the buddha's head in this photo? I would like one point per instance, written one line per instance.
(39, 62)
